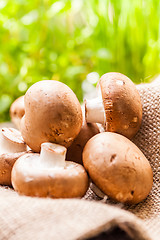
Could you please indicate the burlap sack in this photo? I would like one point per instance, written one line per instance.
(32, 218)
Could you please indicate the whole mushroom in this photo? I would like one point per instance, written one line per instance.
(12, 146)
(52, 114)
(17, 111)
(48, 174)
(118, 105)
(118, 168)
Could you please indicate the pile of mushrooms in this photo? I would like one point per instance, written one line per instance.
(116, 166)
(66, 142)
(51, 120)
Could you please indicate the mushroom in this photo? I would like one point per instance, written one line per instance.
(118, 168)
(17, 111)
(88, 130)
(12, 146)
(52, 114)
(118, 105)
(48, 174)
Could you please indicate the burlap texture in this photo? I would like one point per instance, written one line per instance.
(32, 218)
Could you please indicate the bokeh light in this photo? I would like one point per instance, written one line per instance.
(71, 41)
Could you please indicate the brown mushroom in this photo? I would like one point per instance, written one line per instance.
(118, 168)
(118, 105)
(17, 111)
(52, 114)
(12, 147)
(48, 174)
(74, 152)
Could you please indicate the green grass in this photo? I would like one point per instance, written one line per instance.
(65, 40)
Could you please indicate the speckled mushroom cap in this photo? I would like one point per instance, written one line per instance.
(52, 114)
(30, 177)
(17, 111)
(122, 104)
(118, 168)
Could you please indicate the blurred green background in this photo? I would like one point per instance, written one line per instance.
(66, 40)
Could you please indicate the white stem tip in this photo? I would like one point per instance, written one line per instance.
(94, 110)
(53, 155)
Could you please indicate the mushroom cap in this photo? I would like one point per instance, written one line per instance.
(6, 164)
(17, 111)
(52, 114)
(88, 130)
(118, 167)
(29, 177)
(122, 104)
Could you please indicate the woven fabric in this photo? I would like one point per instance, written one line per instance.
(33, 218)
(148, 140)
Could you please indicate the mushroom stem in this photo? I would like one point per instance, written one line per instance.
(94, 110)
(11, 141)
(53, 155)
